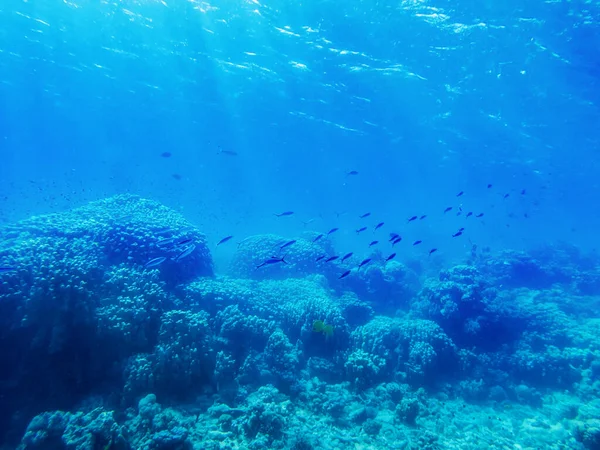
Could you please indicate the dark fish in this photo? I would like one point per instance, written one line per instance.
(333, 258)
(287, 244)
(225, 239)
(433, 250)
(523, 192)
(389, 258)
(345, 274)
(333, 230)
(458, 213)
(285, 213)
(360, 230)
(469, 214)
(458, 233)
(319, 258)
(7, 269)
(379, 225)
(449, 208)
(397, 240)
(186, 251)
(352, 172)
(176, 176)
(423, 216)
(489, 186)
(365, 261)
(346, 256)
(166, 154)
(227, 152)
(412, 218)
(479, 215)
(155, 262)
(373, 243)
(364, 215)
(271, 261)
(318, 237)
(461, 229)
(417, 242)
(183, 242)
(393, 236)
(506, 195)
(460, 194)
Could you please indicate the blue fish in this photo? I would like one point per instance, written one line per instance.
(393, 236)
(397, 240)
(271, 261)
(364, 215)
(318, 237)
(166, 242)
(333, 230)
(186, 252)
(433, 250)
(225, 239)
(460, 194)
(352, 172)
(373, 243)
(319, 258)
(417, 242)
(333, 258)
(423, 216)
(285, 213)
(287, 244)
(469, 214)
(346, 256)
(361, 229)
(411, 219)
(155, 262)
(364, 261)
(389, 258)
(345, 274)
(458, 233)
(479, 215)
(7, 269)
(448, 209)
(378, 226)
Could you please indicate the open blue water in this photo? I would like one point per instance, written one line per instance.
(230, 112)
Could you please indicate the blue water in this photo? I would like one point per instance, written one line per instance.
(424, 99)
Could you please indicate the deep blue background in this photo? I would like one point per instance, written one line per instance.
(424, 99)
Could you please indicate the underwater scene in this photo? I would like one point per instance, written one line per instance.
(268, 224)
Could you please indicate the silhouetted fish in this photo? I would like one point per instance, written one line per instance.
(397, 240)
(345, 274)
(417, 242)
(364, 215)
(333, 230)
(352, 172)
(318, 237)
(364, 261)
(373, 243)
(389, 258)
(479, 215)
(227, 152)
(271, 261)
(423, 216)
(458, 233)
(378, 226)
(225, 239)
(489, 186)
(433, 250)
(393, 236)
(7, 269)
(449, 208)
(346, 256)
(411, 219)
(360, 230)
(166, 154)
(333, 258)
(287, 244)
(469, 214)
(460, 194)
(166, 242)
(189, 249)
(319, 258)
(285, 213)
(506, 195)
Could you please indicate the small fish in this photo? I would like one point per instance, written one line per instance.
(389, 258)
(318, 237)
(397, 240)
(373, 243)
(393, 236)
(166, 242)
(352, 172)
(423, 216)
(227, 152)
(345, 274)
(186, 251)
(333, 258)
(346, 256)
(364, 215)
(287, 244)
(469, 214)
(307, 222)
(506, 195)
(177, 176)
(360, 230)
(166, 154)
(433, 250)
(378, 226)
(449, 208)
(271, 261)
(489, 186)
(523, 192)
(460, 194)
(411, 219)
(183, 242)
(7, 269)
(479, 215)
(458, 233)
(333, 230)
(364, 262)
(461, 229)
(319, 258)
(283, 214)
(155, 262)
(225, 239)
(417, 242)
